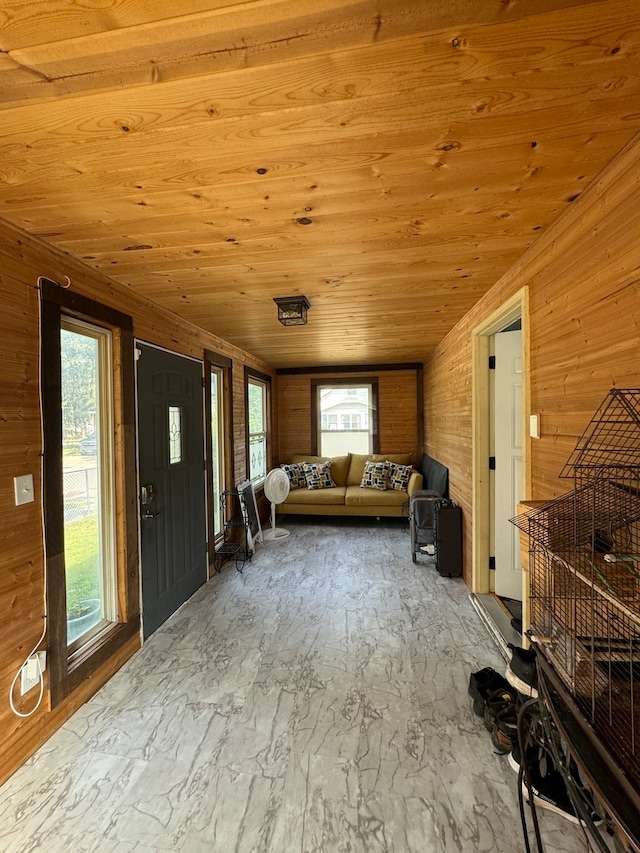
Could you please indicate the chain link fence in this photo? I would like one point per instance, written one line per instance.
(80, 489)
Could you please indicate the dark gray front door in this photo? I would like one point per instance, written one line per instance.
(172, 479)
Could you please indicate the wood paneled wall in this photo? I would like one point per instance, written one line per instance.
(397, 411)
(22, 260)
(583, 277)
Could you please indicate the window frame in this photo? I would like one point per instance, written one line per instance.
(69, 667)
(317, 385)
(255, 376)
(224, 367)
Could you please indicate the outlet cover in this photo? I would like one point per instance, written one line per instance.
(30, 674)
(534, 426)
(28, 683)
(23, 489)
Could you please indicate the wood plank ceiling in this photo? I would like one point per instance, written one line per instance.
(390, 159)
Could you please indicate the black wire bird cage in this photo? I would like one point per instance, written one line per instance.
(584, 564)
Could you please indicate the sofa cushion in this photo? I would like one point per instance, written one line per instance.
(357, 463)
(318, 475)
(339, 465)
(356, 468)
(317, 497)
(399, 476)
(375, 476)
(295, 473)
(356, 496)
(397, 458)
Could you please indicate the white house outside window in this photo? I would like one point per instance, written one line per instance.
(345, 418)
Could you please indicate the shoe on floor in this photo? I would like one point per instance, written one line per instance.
(515, 758)
(495, 702)
(481, 684)
(478, 680)
(523, 687)
(550, 793)
(504, 735)
(538, 760)
(522, 672)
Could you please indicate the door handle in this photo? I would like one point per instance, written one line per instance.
(147, 494)
(148, 514)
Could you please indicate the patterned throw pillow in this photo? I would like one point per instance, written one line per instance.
(375, 476)
(318, 475)
(294, 472)
(399, 476)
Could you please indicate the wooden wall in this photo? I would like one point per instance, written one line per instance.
(22, 260)
(583, 277)
(398, 403)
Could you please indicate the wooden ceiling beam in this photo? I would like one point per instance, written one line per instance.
(146, 45)
(413, 66)
(22, 21)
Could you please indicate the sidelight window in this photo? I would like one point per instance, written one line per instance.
(219, 440)
(89, 490)
(217, 445)
(258, 388)
(89, 517)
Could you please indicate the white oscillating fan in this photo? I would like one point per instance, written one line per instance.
(276, 489)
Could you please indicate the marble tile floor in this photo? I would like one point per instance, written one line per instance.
(317, 702)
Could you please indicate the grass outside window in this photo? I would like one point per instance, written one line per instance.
(82, 564)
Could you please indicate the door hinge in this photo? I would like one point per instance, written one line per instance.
(492, 463)
(492, 362)
(492, 564)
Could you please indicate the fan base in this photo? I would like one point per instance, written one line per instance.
(275, 533)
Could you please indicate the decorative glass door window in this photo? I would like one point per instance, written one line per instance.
(175, 435)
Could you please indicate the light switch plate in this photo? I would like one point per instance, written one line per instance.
(534, 426)
(23, 488)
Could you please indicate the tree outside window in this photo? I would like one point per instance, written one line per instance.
(258, 422)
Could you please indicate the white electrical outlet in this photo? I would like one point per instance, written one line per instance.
(31, 672)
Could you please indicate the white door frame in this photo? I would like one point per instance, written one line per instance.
(517, 307)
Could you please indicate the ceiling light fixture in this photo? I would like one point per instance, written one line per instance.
(292, 310)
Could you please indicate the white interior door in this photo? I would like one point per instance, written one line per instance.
(508, 480)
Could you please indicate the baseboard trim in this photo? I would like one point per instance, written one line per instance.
(496, 623)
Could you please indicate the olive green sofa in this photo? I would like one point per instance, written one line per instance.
(347, 497)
